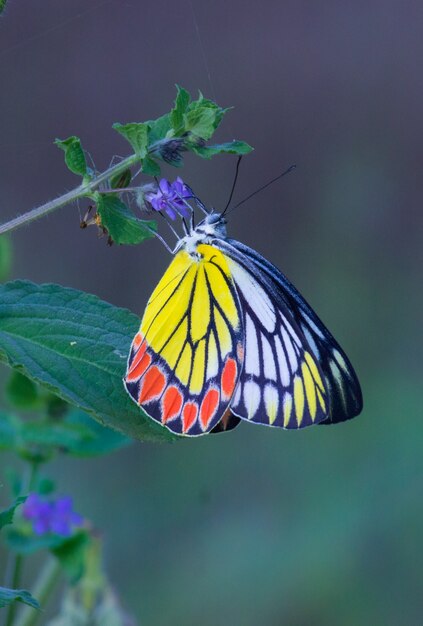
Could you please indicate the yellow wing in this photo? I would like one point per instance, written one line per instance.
(187, 357)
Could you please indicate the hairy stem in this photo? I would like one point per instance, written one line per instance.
(79, 192)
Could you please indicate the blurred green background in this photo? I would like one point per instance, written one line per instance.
(317, 528)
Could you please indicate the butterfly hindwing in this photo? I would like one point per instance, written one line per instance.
(344, 393)
(281, 383)
(185, 362)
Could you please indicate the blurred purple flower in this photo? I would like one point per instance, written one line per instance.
(54, 516)
(169, 198)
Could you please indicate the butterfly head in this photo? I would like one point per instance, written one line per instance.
(214, 224)
(211, 227)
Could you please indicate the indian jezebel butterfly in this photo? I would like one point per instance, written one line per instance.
(225, 336)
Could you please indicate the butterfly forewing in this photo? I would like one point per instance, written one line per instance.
(186, 359)
(340, 380)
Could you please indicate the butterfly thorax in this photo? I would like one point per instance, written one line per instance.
(213, 226)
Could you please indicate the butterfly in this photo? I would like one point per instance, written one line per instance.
(226, 337)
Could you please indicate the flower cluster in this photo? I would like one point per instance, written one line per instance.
(170, 150)
(170, 198)
(51, 516)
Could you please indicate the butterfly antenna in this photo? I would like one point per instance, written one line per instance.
(290, 168)
(238, 163)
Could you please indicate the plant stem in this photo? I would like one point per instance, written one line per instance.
(44, 585)
(17, 571)
(79, 192)
(19, 559)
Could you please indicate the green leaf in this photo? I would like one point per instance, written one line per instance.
(203, 103)
(159, 128)
(2, 5)
(74, 155)
(79, 435)
(21, 392)
(8, 596)
(38, 440)
(6, 517)
(201, 122)
(57, 435)
(137, 135)
(71, 555)
(177, 113)
(231, 147)
(5, 257)
(122, 180)
(121, 224)
(150, 167)
(76, 345)
(102, 441)
(25, 543)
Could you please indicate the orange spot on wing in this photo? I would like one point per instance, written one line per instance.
(189, 415)
(228, 379)
(136, 372)
(171, 404)
(152, 385)
(209, 407)
(138, 355)
(137, 340)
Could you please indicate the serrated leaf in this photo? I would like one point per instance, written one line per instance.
(102, 441)
(159, 128)
(21, 392)
(75, 345)
(150, 167)
(204, 103)
(74, 155)
(177, 113)
(6, 516)
(5, 257)
(8, 596)
(201, 122)
(121, 224)
(231, 147)
(71, 555)
(122, 180)
(136, 134)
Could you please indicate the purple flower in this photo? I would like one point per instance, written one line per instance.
(180, 189)
(51, 516)
(169, 198)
